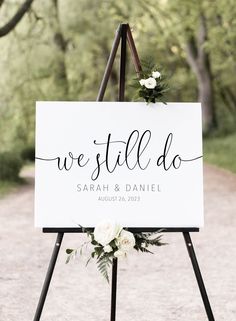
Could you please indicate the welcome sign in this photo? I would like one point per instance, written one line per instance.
(133, 163)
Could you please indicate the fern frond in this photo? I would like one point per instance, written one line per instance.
(103, 263)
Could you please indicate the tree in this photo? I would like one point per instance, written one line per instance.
(199, 61)
(60, 50)
(60, 43)
(185, 24)
(11, 24)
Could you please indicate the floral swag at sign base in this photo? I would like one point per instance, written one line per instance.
(109, 241)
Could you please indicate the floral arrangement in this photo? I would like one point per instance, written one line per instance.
(151, 84)
(110, 241)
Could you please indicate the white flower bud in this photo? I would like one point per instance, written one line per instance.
(156, 74)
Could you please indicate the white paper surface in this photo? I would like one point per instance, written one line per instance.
(117, 177)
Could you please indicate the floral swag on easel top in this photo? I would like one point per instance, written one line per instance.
(150, 85)
(110, 241)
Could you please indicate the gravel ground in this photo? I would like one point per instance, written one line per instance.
(158, 287)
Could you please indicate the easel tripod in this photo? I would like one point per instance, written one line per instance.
(123, 35)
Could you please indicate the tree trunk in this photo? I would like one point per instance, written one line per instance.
(59, 64)
(199, 61)
(206, 97)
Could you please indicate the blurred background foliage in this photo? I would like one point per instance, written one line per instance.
(57, 50)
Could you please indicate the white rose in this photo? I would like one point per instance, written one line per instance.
(156, 74)
(107, 249)
(142, 82)
(119, 253)
(150, 83)
(125, 241)
(105, 232)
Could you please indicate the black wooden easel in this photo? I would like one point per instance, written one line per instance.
(123, 35)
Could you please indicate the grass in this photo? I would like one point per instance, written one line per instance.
(221, 151)
(8, 186)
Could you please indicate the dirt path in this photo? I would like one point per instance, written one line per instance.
(150, 288)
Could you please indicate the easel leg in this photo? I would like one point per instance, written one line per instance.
(113, 290)
(198, 275)
(48, 276)
(121, 96)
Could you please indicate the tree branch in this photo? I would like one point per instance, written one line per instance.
(1, 3)
(11, 24)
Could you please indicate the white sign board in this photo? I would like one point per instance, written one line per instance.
(136, 164)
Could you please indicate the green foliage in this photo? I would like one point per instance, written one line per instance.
(10, 166)
(71, 254)
(143, 240)
(221, 151)
(28, 154)
(8, 186)
(37, 64)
